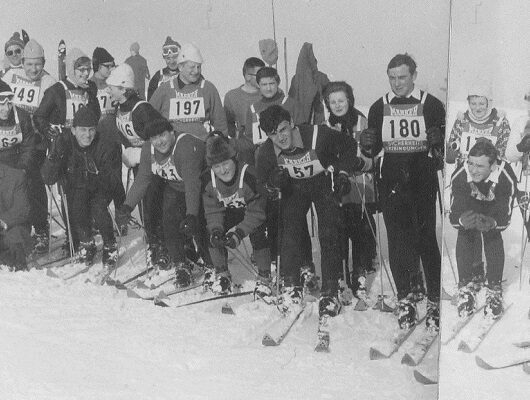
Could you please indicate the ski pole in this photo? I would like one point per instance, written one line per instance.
(50, 209)
(64, 201)
(279, 242)
(523, 236)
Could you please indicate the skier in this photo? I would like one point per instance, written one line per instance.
(84, 160)
(128, 127)
(14, 217)
(480, 120)
(29, 85)
(140, 69)
(13, 49)
(236, 103)
(234, 207)
(179, 160)
(190, 102)
(170, 51)
(358, 206)
(408, 124)
(296, 160)
(482, 194)
(102, 64)
(518, 145)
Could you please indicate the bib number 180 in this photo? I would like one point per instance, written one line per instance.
(405, 128)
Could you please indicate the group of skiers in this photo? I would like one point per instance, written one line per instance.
(207, 174)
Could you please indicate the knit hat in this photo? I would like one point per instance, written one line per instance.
(157, 127)
(189, 52)
(482, 88)
(135, 47)
(85, 117)
(122, 75)
(72, 56)
(14, 40)
(218, 148)
(269, 51)
(5, 90)
(33, 49)
(170, 47)
(100, 56)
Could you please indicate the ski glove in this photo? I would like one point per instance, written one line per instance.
(342, 185)
(280, 178)
(123, 215)
(469, 220)
(233, 238)
(434, 136)
(52, 132)
(189, 225)
(217, 239)
(368, 139)
(485, 223)
(524, 145)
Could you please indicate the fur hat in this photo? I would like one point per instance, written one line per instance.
(85, 117)
(218, 148)
(14, 40)
(100, 56)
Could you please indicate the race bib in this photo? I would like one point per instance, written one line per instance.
(302, 167)
(469, 139)
(105, 103)
(125, 126)
(167, 171)
(73, 104)
(10, 138)
(26, 96)
(186, 109)
(233, 201)
(403, 128)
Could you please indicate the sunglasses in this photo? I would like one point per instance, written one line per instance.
(168, 50)
(84, 69)
(9, 53)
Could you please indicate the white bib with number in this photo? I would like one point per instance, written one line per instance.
(10, 136)
(235, 200)
(403, 128)
(26, 93)
(166, 170)
(187, 107)
(75, 99)
(125, 126)
(303, 165)
(105, 103)
(472, 131)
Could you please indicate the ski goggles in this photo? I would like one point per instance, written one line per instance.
(169, 50)
(6, 99)
(9, 53)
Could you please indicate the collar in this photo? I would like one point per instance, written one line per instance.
(493, 177)
(416, 93)
(297, 142)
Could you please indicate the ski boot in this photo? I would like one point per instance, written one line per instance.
(209, 278)
(263, 289)
(494, 306)
(432, 320)
(466, 300)
(328, 305)
(406, 312)
(42, 243)
(290, 299)
(309, 280)
(110, 255)
(87, 252)
(162, 259)
(182, 275)
(222, 283)
(345, 294)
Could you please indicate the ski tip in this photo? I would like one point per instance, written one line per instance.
(361, 305)
(322, 348)
(132, 293)
(268, 341)
(464, 347)
(227, 309)
(162, 295)
(160, 303)
(51, 274)
(482, 364)
(408, 360)
(376, 354)
(526, 367)
(423, 379)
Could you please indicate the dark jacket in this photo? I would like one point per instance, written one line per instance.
(14, 203)
(92, 167)
(20, 155)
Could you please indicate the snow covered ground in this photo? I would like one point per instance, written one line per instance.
(77, 340)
